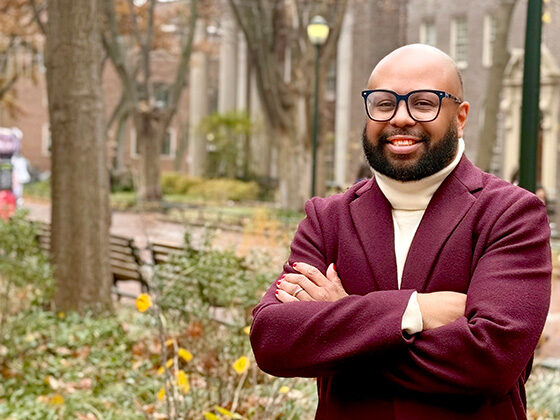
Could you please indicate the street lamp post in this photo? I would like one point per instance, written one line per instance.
(530, 103)
(317, 31)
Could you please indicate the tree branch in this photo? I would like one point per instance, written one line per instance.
(37, 16)
(183, 67)
(134, 22)
(6, 88)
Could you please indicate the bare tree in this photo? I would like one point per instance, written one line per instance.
(500, 58)
(18, 48)
(133, 63)
(80, 197)
(275, 31)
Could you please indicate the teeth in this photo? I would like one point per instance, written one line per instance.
(403, 142)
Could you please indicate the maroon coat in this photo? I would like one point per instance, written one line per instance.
(480, 236)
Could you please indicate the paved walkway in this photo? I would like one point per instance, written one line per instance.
(150, 226)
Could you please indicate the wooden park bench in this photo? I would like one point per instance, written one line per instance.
(161, 252)
(124, 257)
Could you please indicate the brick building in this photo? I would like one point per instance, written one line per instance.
(220, 80)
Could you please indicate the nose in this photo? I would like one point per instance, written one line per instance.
(402, 118)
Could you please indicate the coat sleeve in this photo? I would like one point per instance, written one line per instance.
(486, 351)
(312, 339)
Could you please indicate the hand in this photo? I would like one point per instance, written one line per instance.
(441, 308)
(314, 285)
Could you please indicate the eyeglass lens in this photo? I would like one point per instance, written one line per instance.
(422, 106)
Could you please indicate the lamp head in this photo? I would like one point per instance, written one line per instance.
(318, 30)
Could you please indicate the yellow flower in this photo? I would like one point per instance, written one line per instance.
(161, 394)
(224, 412)
(284, 389)
(241, 365)
(210, 416)
(61, 315)
(170, 342)
(169, 363)
(183, 382)
(247, 330)
(185, 354)
(161, 370)
(56, 399)
(143, 302)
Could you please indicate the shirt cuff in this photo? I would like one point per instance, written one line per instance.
(412, 317)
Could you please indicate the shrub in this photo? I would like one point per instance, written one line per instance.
(177, 183)
(543, 391)
(22, 264)
(226, 189)
(121, 181)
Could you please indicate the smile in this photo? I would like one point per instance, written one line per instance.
(403, 142)
(403, 145)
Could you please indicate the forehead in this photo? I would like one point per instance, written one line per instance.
(411, 70)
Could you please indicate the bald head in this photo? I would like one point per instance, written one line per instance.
(417, 66)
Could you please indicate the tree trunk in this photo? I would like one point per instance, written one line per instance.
(80, 199)
(148, 137)
(118, 163)
(293, 163)
(500, 57)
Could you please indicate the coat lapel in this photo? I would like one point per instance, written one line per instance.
(448, 206)
(371, 215)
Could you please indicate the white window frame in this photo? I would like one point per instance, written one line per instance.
(425, 27)
(488, 38)
(172, 144)
(462, 62)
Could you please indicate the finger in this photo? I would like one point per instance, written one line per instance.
(332, 275)
(284, 297)
(312, 273)
(290, 282)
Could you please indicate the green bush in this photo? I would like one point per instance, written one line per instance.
(177, 183)
(202, 278)
(22, 264)
(543, 394)
(226, 189)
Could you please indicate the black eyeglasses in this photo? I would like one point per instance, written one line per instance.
(422, 105)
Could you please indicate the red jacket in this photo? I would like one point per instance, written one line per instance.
(479, 235)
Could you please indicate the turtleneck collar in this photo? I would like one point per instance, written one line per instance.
(416, 195)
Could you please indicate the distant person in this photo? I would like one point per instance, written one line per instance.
(421, 293)
(20, 176)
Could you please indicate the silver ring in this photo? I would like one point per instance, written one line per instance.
(298, 289)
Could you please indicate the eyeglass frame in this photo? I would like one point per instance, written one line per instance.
(440, 93)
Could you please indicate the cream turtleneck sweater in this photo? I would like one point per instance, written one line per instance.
(409, 201)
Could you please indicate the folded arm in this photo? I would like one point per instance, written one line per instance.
(486, 351)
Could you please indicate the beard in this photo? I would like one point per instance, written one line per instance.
(436, 156)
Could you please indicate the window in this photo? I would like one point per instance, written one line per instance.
(169, 143)
(488, 38)
(168, 146)
(161, 94)
(428, 33)
(459, 41)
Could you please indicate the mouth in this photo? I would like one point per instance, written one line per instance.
(403, 145)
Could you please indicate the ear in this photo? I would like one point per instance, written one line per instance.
(462, 113)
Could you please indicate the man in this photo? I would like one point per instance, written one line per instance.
(422, 292)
